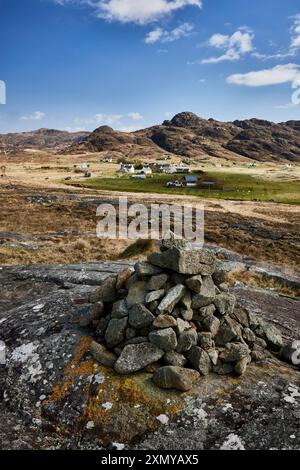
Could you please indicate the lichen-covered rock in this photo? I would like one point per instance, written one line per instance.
(164, 339)
(185, 261)
(182, 325)
(199, 359)
(171, 299)
(157, 282)
(107, 292)
(206, 295)
(102, 355)
(115, 331)
(205, 340)
(146, 269)
(175, 377)
(173, 358)
(225, 303)
(234, 352)
(241, 366)
(140, 316)
(136, 293)
(229, 330)
(164, 321)
(194, 283)
(187, 340)
(119, 309)
(135, 357)
(211, 324)
(154, 296)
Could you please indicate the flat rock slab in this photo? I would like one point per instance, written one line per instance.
(51, 381)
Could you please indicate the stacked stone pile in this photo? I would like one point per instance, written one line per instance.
(173, 316)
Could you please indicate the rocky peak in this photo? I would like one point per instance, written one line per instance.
(185, 119)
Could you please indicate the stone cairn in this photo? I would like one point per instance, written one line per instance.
(174, 317)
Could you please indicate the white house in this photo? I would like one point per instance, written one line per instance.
(146, 170)
(107, 160)
(127, 168)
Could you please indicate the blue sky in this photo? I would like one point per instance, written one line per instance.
(78, 64)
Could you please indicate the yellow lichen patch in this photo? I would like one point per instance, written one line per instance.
(133, 407)
(73, 369)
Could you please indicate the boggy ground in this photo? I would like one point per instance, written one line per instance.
(54, 224)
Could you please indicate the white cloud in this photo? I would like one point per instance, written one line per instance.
(236, 45)
(288, 73)
(37, 116)
(141, 12)
(135, 116)
(295, 30)
(108, 119)
(161, 35)
(134, 11)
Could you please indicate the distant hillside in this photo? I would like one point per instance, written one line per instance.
(42, 139)
(185, 135)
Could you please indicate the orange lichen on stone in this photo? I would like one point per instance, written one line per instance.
(73, 369)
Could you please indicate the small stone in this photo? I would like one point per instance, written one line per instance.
(163, 419)
(229, 330)
(211, 324)
(225, 303)
(157, 282)
(187, 315)
(107, 292)
(213, 355)
(206, 295)
(164, 339)
(175, 377)
(115, 331)
(241, 365)
(219, 276)
(249, 336)
(171, 241)
(123, 277)
(173, 358)
(205, 340)
(224, 287)
(153, 296)
(146, 269)
(234, 352)
(171, 299)
(187, 340)
(270, 334)
(241, 316)
(194, 283)
(258, 355)
(102, 355)
(119, 309)
(135, 357)
(140, 316)
(164, 321)
(185, 261)
(207, 311)
(186, 300)
(199, 359)
(182, 325)
(136, 294)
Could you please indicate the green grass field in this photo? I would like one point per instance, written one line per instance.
(228, 186)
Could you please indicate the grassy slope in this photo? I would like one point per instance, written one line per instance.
(232, 186)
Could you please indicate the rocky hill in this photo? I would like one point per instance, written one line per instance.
(41, 139)
(191, 136)
(186, 135)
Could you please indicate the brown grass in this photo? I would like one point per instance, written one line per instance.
(257, 280)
